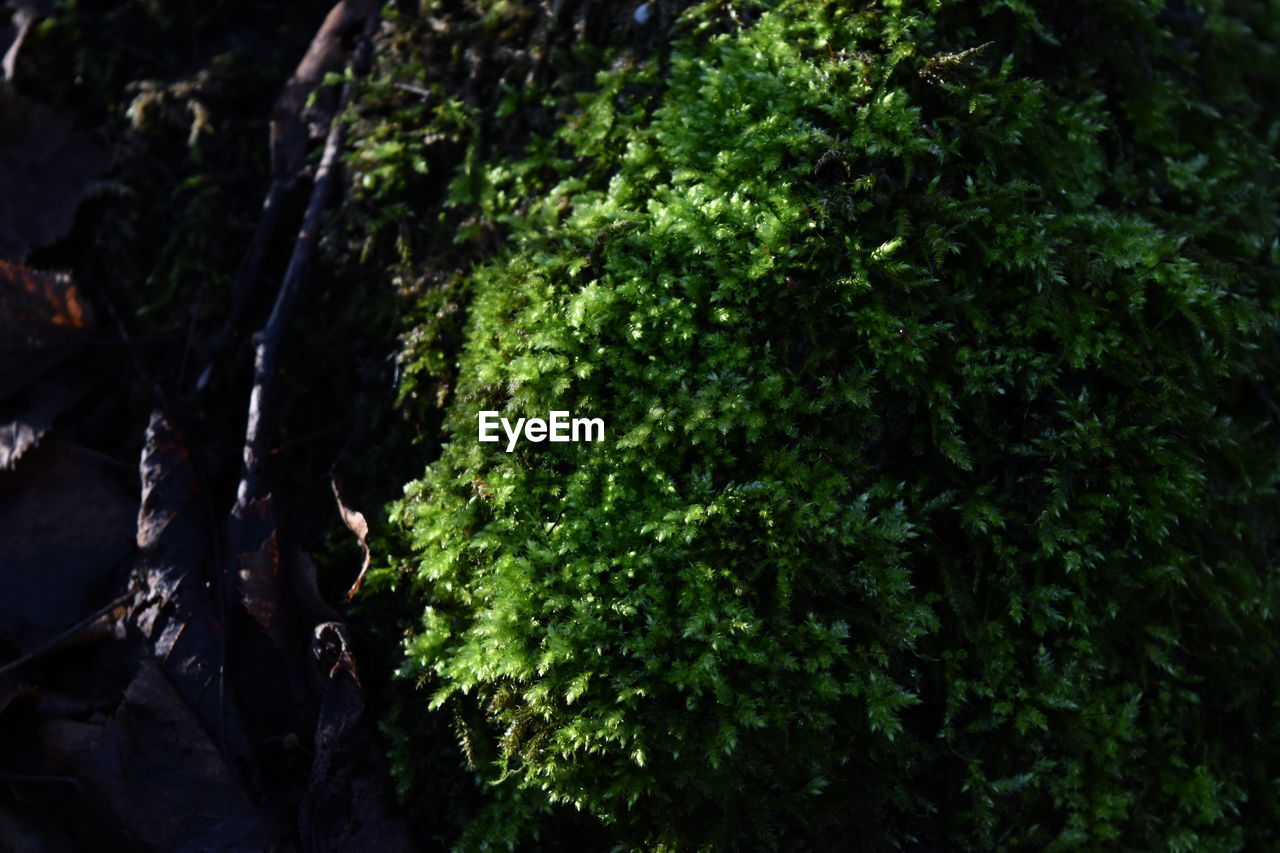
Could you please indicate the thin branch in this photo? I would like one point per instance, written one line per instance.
(414, 90)
(31, 777)
(289, 122)
(247, 275)
(267, 342)
(54, 642)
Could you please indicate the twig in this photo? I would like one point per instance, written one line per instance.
(29, 777)
(289, 135)
(128, 341)
(248, 274)
(267, 342)
(98, 455)
(414, 90)
(53, 643)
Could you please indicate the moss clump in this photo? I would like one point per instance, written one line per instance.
(938, 352)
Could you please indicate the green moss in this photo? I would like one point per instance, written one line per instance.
(938, 352)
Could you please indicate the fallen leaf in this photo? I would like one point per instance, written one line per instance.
(260, 583)
(66, 525)
(36, 303)
(25, 14)
(176, 607)
(25, 824)
(45, 170)
(12, 689)
(269, 644)
(348, 805)
(43, 323)
(32, 417)
(154, 767)
(356, 523)
(20, 834)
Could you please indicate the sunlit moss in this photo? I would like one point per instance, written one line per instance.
(938, 351)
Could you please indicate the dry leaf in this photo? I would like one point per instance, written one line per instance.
(160, 775)
(25, 14)
(65, 525)
(43, 321)
(348, 806)
(260, 582)
(45, 170)
(357, 524)
(176, 605)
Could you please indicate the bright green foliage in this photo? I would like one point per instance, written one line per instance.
(937, 509)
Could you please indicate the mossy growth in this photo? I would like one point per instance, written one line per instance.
(938, 349)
